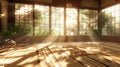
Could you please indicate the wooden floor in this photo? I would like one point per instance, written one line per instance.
(61, 54)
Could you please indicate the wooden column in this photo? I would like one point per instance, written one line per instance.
(50, 20)
(99, 11)
(33, 20)
(0, 16)
(99, 23)
(66, 37)
(4, 13)
(78, 23)
(64, 21)
(11, 15)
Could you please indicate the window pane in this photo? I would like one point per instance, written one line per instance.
(88, 21)
(41, 20)
(112, 21)
(24, 17)
(57, 21)
(71, 21)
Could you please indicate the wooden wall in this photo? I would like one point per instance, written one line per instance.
(94, 4)
(38, 39)
(11, 15)
(110, 38)
(4, 12)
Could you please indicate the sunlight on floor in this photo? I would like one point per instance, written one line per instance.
(62, 54)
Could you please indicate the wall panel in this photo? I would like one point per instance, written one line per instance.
(89, 4)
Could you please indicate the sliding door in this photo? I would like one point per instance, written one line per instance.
(41, 20)
(71, 22)
(57, 23)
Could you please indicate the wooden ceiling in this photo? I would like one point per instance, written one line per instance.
(108, 3)
(86, 4)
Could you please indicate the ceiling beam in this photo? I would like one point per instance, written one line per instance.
(84, 4)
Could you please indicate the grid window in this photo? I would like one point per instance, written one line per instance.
(88, 21)
(37, 18)
(112, 24)
(24, 16)
(71, 22)
(41, 20)
(57, 21)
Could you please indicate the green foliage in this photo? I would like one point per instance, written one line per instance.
(38, 17)
(41, 33)
(103, 20)
(13, 31)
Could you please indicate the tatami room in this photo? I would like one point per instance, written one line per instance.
(59, 33)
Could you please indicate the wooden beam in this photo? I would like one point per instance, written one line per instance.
(4, 12)
(50, 20)
(64, 21)
(91, 4)
(11, 15)
(33, 19)
(78, 23)
(86, 4)
(99, 3)
(28, 2)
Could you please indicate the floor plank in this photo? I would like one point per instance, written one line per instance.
(61, 54)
